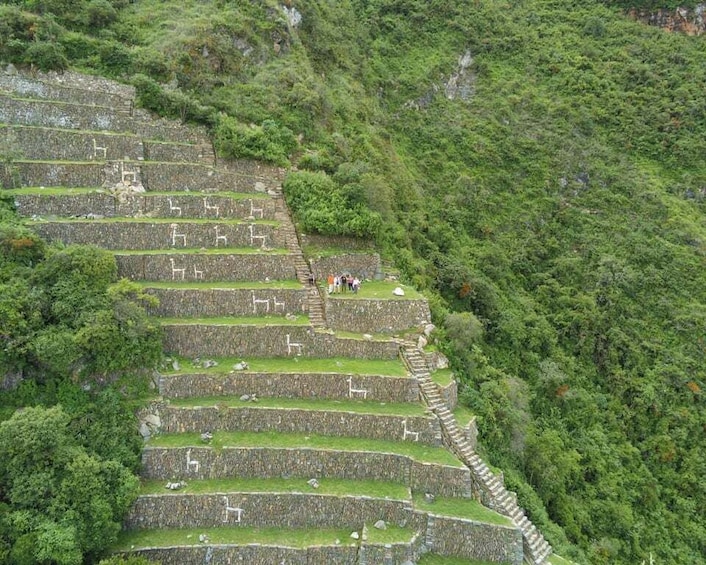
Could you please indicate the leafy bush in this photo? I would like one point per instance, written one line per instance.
(269, 142)
(170, 103)
(321, 205)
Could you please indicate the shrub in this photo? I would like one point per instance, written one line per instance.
(269, 142)
(46, 56)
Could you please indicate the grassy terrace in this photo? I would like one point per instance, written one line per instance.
(150, 220)
(459, 508)
(431, 559)
(264, 536)
(63, 191)
(291, 284)
(442, 377)
(378, 290)
(463, 415)
(338, 487)
(384, 367)
(202, 251)
(276, 440)
(240, 321)
(357, 406)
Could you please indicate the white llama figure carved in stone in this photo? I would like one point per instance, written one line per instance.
(356, 391)
(97, 149)
(259, 211)
(409, 433)
(197, 274)
(253, 237)
(292, 346)
(177, 270)
(127, 176)
(176, 235)
(208, 208)
(256, 302)
(173, 208)
(231, 510)
(191, 463)
(282, 305)
(220, 238)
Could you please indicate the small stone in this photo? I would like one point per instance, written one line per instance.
(380, 525)
(241, 366)
(429, 497)
(203, 538)
(175, 365)
(398, 291)
(355, 535)
(313, 483)
(208, 363)
(206, 437)
(245, 398)
(428, 329)
(367, 337)
(422, 342)
(337, 542)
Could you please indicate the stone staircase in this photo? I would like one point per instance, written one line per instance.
(256, 400)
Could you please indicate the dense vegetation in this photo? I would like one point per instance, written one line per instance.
(554, 212)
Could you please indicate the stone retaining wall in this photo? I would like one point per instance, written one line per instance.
(85, 175)
(449, 394)
(214, 267)
(103, 203)
(64, 145)
(263, 510)
(227, 302)
(375, 316)
(57, 114)
(362, 265)
(304, 463)
(291, 385)
(69, 87)
(253, 169)
(160, 235)
(179, 152)
(476, 540)
(197, 340)
(163, 177)
(293, 420)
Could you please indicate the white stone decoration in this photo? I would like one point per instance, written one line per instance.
(352, 391)
(256, 302)
(293, 346)
(97, 149)
(220, 238)
(191, 463)
(127, 176)
(277, 304)
(231, 510)
(177, 270)
(253, 237)
(176, 235)
(409, 433)
(209, 208)
(197, 274)
(254, 211)
(173, 208)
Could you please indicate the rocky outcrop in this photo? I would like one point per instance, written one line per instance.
(690, 21)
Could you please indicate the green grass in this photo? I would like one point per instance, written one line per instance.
(299, 320)
(384, 367)
(202, 251)
(357, 406)
(378, 290)
(156, 220)
(442, 377)
(338, 487)
(557, 560)
(62, 191)
(416, 451)
(265, 536)
(460, 508)
(317, 252)
(230, 285)
(463, 415)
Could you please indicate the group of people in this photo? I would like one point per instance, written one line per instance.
(342, 283)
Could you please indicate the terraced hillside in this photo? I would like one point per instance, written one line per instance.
(290, 427)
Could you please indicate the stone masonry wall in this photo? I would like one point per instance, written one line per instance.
(475, 540)
(375, 316)
(291, 385)
(162, 177)
(215, 267)
(264, 510)
(87, 175)
(362, 265)
(102, 203)
(179, 152)
(324, 422)
(160, 235)
(227, 302)
(195, 340)
(449, 394)
(304, 463)
(64, 145)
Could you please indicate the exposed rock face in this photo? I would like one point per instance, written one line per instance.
(680, 20)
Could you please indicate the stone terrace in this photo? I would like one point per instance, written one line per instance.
(215, 243)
